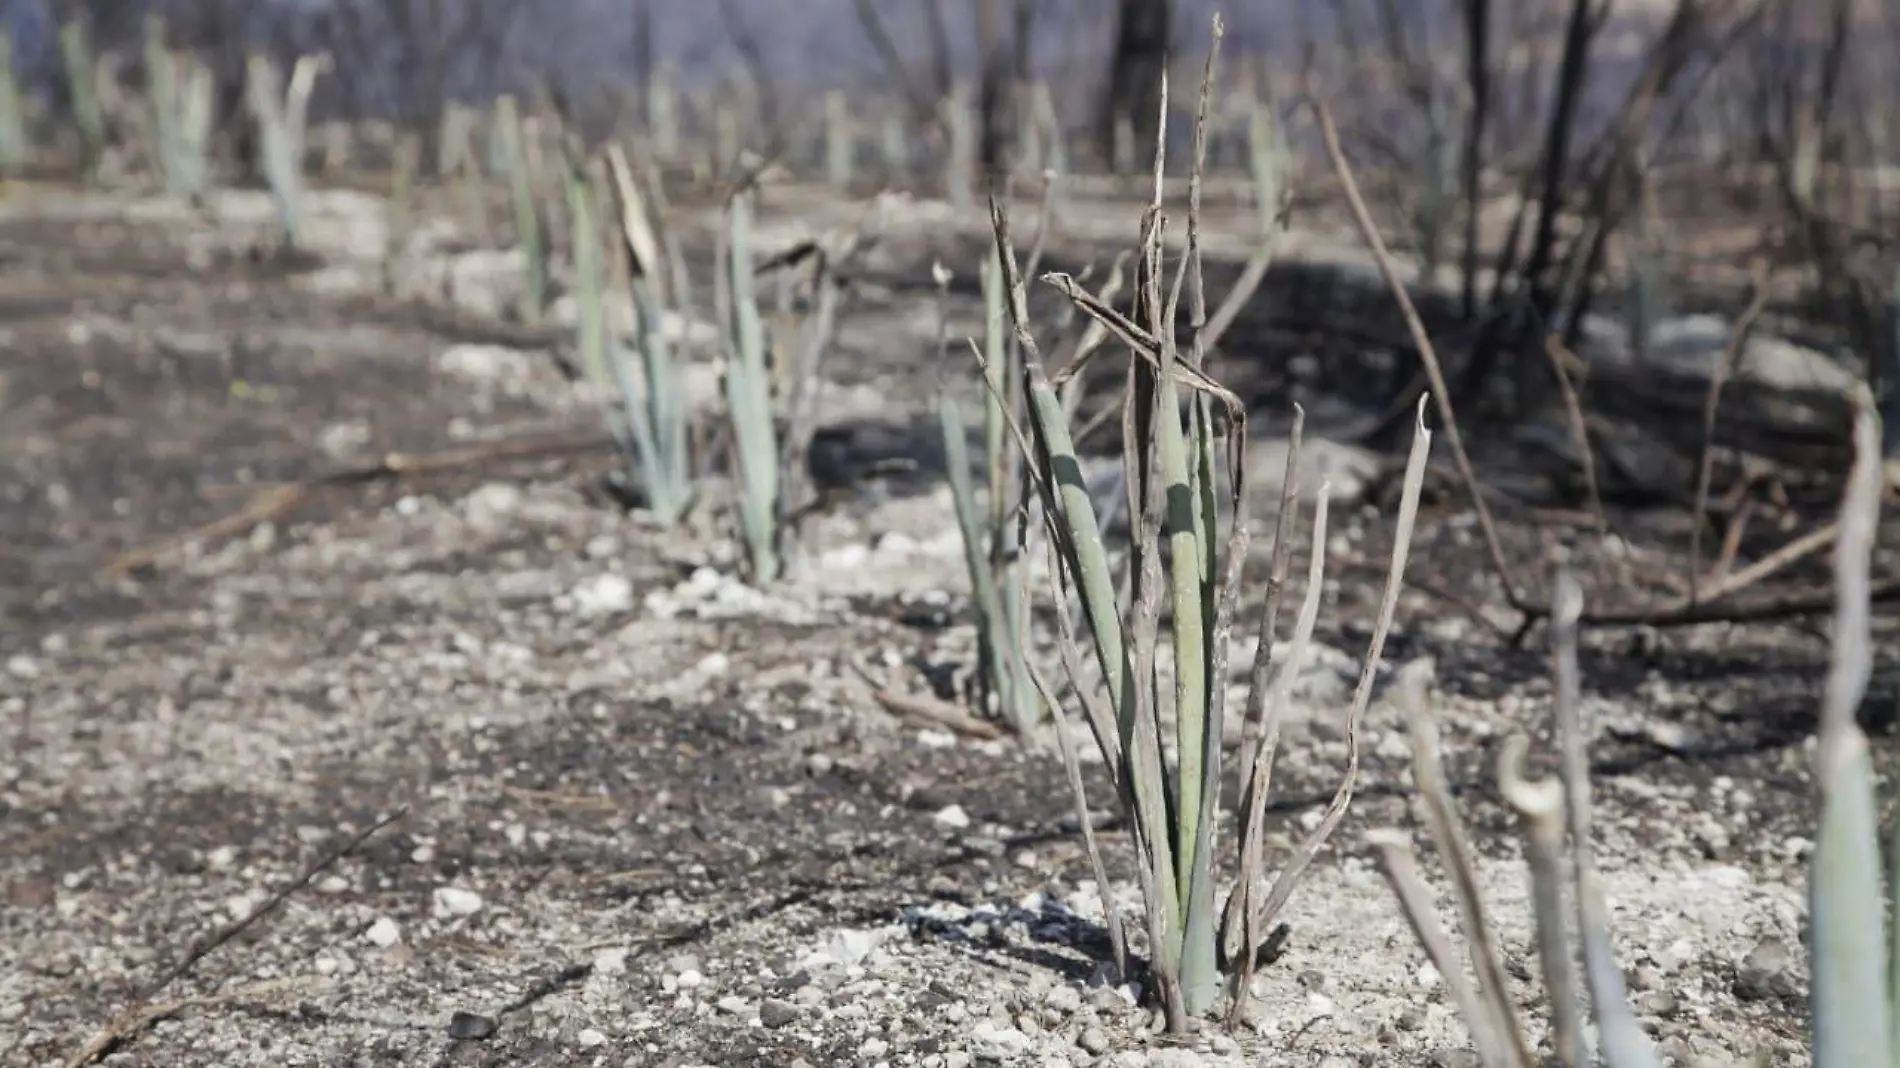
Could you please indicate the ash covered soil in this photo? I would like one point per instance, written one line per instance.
(638, 814)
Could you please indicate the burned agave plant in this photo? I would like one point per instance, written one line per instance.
(1855, 954)
(1155, 701)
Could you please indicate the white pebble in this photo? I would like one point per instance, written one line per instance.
(383, 933)
(590, 1037)
(953, 817)
(602, 595)
(453, 901)
(989, 1042)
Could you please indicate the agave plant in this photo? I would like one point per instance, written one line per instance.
(748, 389)
(513, 145)
(1856, 957)
(180, 88)
(282, 113)
(1181, 560)
(82, 74)
(15, 143)
(650, 423)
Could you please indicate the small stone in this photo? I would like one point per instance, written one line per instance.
(1411, 1018)
(602, 595)
(470, 1027)
(1764, 973)
(988, 1042)
(590, 1038)
(1659, 1003)
(1063, 1000)
(22, 666)
(873, 1048)
(490, 507)
(451, 902)
(690, 979)
(734, 1005)
(332, 885)
(953, 817)
(1108, 1001)
(383, 933)
(684, 962)
(776, 1013)
(1092, 1041)
(1673, 956)
(611, 962)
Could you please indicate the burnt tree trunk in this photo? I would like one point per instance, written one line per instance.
(1142, 41)
(993, 91)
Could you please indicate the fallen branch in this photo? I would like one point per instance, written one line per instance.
(280, 500)
(928, 710)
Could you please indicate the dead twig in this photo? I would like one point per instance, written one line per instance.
(927, 710)
(1705, 466)
(1441, 391)
(144, 1011)
(130, 1024)
(281, 499)
(1561, 361)
(1697, 609)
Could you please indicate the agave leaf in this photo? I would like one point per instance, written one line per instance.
(1849, 966)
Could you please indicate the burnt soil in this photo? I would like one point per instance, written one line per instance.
(695, 836)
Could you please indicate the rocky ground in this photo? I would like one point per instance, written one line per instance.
(510, 778)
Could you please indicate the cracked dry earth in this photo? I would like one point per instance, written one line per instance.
(642, 815)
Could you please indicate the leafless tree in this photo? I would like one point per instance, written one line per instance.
(413, 56)
(994, 93)
(1143, 37)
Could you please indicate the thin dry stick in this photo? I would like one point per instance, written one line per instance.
(1283, 528)
(1368, 671)
(1732, 540)
(280, 500)
(130, 1020)
(1705, 467)
(1441, 392)
(1560, 362)
(138, 1020)
(1240, 926)
(1721, 585)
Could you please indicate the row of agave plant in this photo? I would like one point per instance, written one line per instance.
(1154, 698)
(176, 116)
